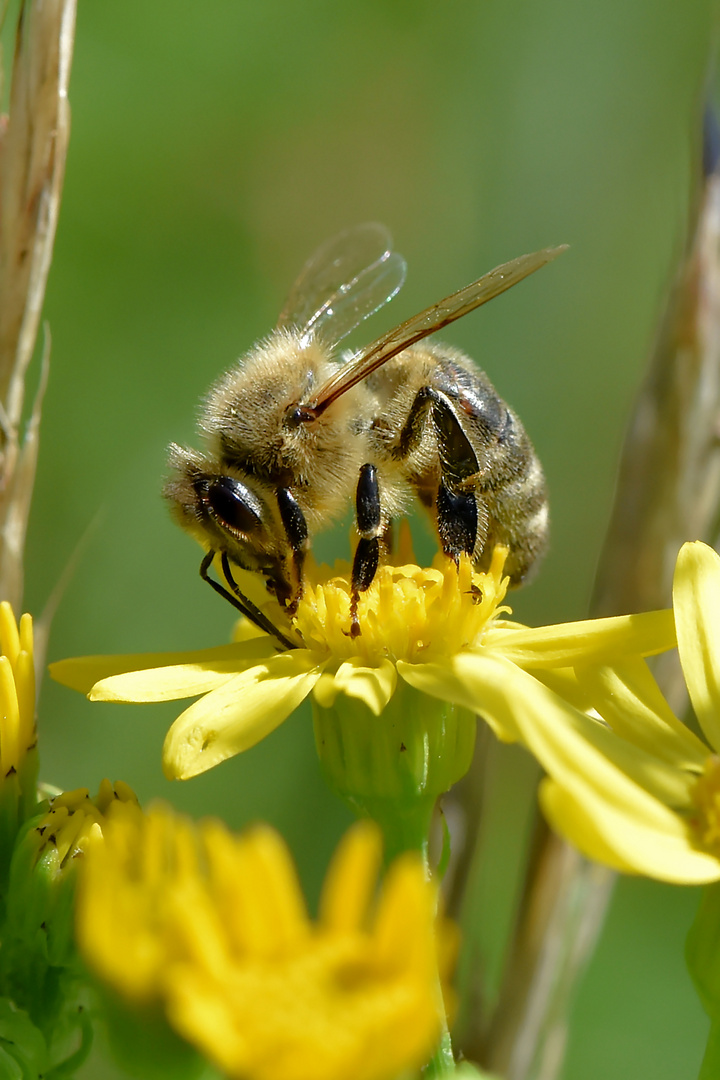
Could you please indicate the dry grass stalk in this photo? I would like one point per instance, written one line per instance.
(33, 149)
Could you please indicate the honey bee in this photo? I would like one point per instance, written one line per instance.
(294, 429)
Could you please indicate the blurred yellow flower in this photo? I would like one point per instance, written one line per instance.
(650, 801)
(214, 928)
(441, 630)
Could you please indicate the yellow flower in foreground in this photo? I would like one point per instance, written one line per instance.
(650, 803)
(213, 927)
(441, 630)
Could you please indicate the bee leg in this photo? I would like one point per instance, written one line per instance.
(240, 601)
(368, 518)
(457, 521)
(415, 424)
(456, 503)
(296, 531)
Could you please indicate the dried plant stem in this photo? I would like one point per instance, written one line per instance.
(33, 148)
(565, 903)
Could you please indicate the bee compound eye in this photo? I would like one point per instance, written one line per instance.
(234, 505)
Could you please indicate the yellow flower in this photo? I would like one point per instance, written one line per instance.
(644, 794)
(213, 928)
(441, 630)
(18, 736)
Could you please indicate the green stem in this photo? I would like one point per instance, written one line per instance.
(405, 827)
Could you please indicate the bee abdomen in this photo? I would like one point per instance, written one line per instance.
(518, 514)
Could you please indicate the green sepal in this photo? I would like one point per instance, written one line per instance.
(28, 773)
(23, 1050)
(10, 794)
(702, 951)
(38, 961)
(18, 802)
(392, 767)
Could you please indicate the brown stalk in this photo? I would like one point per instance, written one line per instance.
(33, 148)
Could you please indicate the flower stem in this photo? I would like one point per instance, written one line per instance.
(404, 828)
(442, 1062)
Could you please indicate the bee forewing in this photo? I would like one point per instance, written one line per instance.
(428, 321)
(344, 282)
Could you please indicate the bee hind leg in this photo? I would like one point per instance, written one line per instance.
(456, 505)
(368, 519)
(457, 521)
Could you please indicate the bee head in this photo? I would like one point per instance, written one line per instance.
(228, 513)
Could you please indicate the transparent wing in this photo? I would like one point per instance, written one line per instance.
(427, 322)
(344, 282)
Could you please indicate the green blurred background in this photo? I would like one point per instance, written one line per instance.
(213, 148)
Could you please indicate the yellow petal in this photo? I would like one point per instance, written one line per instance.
(565, 683)
(244, 630)
(631, 702)
(239, 714)
(9, 634)
(595, 640)
(590, 766)
(403, 928)
(457, 683)
(572, 747)
(350, 880)
(373, 685)
(273, 906)
(656, 843)
(177, 681)
(83, 672)
(696, 599)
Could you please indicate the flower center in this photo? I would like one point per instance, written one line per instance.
(706, 801)
(408, 613)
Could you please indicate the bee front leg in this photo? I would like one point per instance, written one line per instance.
(368, 518)
(239, 600)
(296, 531)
